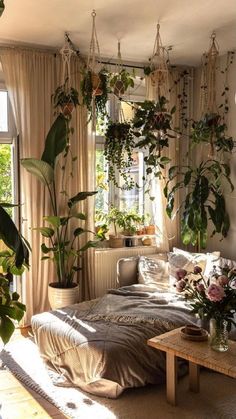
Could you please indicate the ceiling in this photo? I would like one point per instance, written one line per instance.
(185, 24)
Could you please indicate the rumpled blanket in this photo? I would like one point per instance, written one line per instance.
(101, 345)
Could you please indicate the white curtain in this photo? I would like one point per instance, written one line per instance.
(31, 77)
(170, 229)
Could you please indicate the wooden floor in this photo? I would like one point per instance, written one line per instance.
(19, 402)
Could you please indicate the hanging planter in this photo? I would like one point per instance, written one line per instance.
(158, 69)
(118, 149)
(121, 80)
(66, 97)
(94, 82)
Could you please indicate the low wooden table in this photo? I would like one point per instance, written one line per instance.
(198, 354)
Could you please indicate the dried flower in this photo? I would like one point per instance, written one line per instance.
(180, 273)
(197, 270)
(180, 285)
(222, 280)
(200, 288)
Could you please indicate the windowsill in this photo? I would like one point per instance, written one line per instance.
(116, 249)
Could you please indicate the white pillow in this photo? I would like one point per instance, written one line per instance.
(187, 261)
(198, 258)
(153, 271)
(218, 263)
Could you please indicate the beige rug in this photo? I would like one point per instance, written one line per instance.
(216, 399)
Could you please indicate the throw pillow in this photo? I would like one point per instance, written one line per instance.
(153, 271)
(187, 261)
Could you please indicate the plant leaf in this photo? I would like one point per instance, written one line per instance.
(42, 170)
(55, 141)
(81, 196)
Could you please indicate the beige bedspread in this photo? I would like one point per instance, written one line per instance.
(101, 345)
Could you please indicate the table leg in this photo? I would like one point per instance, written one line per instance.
(171, 378)
(193, 377)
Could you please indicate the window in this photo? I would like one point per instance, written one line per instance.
(8, 155)
(108, 194)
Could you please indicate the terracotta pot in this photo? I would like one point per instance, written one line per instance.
(67, 108)
(150, 229)
(146, 241)
(62, 297)
(116, 242)
(96, 83)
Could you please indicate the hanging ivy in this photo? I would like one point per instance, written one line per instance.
(95, 87)
(119, 146)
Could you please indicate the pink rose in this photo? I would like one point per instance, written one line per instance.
(180, 273)
(223, 280)
(200, 288)
(180, 285)
(197, 270)
(215, 293)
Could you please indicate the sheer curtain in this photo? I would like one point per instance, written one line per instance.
(170, 229)
(31, 78)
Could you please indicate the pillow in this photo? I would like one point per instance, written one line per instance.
(153, 271)
(187, 261)
(217, 263)
(197, 258)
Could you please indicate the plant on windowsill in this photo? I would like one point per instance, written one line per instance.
(61, 246)
(120, 82)
(118, 149)
(66, 99)
(14, 258)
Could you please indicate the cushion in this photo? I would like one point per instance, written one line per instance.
(218, 263)
(197, 259)
(187, 261)
(154, 271)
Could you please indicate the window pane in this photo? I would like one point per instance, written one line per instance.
(6, 182)
(101, 200)
(3, 112)
(134, 198)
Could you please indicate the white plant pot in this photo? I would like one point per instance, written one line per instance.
(62, 297)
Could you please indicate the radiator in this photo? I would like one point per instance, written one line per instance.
(106, 262)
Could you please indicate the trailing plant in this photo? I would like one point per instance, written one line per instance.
(95, 87)
(64, 95)
(152, 122)
(120, 82)
(118, 149)
(14, 258)
(205, 201)
(61, 245)
(211, 129)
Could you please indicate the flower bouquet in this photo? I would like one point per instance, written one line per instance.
(212, 298)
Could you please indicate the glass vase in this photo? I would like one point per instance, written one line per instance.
(219, 335)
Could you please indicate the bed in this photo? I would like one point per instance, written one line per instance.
(101, 345)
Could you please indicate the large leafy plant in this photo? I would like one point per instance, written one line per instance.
(61, 230)
(94, 89)
(14, 258)
(203, 202)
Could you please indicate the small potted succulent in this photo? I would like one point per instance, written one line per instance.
(120, 82)
(65, 98)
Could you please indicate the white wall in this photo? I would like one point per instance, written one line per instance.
(228, 245)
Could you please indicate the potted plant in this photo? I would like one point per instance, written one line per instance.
(61, 245)
(14, 258)
(130, 222)
(204, 201)
(153, 123)
(95, 87)
(120, 82)
(118, 149)
(211, 130)
(66, 98)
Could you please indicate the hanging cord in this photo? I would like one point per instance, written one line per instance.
(66, 52)
(94, 45)
(211, 74)
(159, 69)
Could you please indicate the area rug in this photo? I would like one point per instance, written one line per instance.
(216, 399)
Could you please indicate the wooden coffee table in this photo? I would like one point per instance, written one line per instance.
(198, 354)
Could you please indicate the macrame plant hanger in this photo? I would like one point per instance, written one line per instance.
(119, 87)
(159, 69)
(208, 83)
(93, 58)
(66, 53)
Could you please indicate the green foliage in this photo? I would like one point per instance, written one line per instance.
(128, 221)
(5, 173)
(152, 122)
(95, 87)
(203, 203)
(118, 149)
(13, 260)
(61, 245)
(64, 95)
(120, 82)
(210, 129)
